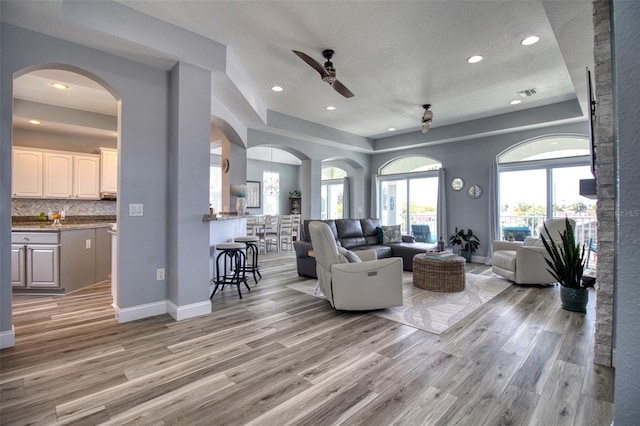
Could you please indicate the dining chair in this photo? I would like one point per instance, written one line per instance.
(269, 232)
(295, 228)
(285, 232)
(251, 225)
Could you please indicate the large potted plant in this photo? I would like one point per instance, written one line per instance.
(566, 263)
(467, 241)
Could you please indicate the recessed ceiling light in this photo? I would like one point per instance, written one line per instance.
(475, 59)
(59, 86)
(331, 108)
(33, 121)
(391, 129)
(276, 88)
(515, 102)
(530, 40)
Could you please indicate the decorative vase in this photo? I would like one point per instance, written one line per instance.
(466, 254)
(574, 299)
(241, 205)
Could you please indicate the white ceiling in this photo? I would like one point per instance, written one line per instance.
(393, 55)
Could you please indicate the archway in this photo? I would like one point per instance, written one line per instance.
(64, 115)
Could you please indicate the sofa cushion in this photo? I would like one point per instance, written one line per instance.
(370, 230)
(330, 222)
(505, 259)
(350, 233)
(382, 252)
(391, 234)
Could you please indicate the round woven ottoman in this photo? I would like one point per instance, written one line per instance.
(439, 274)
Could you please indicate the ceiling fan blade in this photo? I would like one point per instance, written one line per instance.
(312, 62)
(342, 89)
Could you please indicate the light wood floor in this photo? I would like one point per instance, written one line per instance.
(280, 357)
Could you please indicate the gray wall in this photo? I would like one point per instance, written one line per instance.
(143, 157)
(46, 140)
(289, 181)
(470, 160)
(626, 75)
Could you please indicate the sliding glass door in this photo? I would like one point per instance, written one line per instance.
(410, 201)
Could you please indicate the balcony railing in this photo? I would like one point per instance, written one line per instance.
(585, 225)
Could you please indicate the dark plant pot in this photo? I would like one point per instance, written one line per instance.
(466, 254)
(574, 299)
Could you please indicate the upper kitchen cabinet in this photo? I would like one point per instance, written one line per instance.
(108, 170)
(27, 173)
(86, 177)
(58, 175)
(55, 174)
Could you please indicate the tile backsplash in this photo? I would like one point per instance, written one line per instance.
(33, 207)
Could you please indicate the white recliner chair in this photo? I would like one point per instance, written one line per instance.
(524, 262)
(352, 285)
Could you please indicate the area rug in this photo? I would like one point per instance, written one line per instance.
(433, 311)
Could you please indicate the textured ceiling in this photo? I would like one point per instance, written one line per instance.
(393, 55)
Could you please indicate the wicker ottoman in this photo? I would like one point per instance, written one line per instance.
(439, 275)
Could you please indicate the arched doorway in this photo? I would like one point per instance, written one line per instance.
(62, 111)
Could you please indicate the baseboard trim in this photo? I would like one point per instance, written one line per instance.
(8, 338)
(478, 259)
(141, 311)
(180, 313)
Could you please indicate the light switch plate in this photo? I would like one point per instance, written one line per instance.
(135, 209)
(87, 244)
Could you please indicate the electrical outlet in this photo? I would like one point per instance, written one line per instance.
(135, 210)
(160, 274)
(87, 244)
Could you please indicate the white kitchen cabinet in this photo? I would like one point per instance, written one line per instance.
(109, 170)
(86, 177)
(27, 174)
(57, 175)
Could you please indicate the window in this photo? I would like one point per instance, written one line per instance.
(408, 196)
(332, 193)
(537, 184)
(270, 191)
(215, 188)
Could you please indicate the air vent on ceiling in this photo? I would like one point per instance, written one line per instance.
(528, 92)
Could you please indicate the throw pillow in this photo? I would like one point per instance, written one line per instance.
(380, 234)
(391, 234)
(350, 256)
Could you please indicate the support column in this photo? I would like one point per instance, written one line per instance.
(188, 235)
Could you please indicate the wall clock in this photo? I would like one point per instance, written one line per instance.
(475, 191)
(457, 184)
(225, 165)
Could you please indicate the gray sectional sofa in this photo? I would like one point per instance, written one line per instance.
(354, 235)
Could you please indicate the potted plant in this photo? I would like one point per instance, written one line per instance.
(566, 263)
(511, 237)
(467, 240)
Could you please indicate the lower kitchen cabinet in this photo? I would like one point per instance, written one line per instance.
(35, 260)
(65, 261)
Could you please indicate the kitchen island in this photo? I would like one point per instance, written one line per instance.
(58, 259)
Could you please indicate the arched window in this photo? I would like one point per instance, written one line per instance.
(332, 193)
(540, 179)
(408, 196)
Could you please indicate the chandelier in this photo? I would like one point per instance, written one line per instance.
(272, 182)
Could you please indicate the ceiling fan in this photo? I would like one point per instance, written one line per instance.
(427, 118)
(327, 72)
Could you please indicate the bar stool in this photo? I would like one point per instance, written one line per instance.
(251, 242)
(234, 258)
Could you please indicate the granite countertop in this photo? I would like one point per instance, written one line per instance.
(222, 216)
(32, 224)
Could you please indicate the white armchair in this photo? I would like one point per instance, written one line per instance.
(524, 262)
(356, 286)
